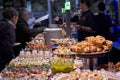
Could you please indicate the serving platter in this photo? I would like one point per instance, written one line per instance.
(93, 54)
(85, 55)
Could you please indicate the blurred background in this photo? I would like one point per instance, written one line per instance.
(39, 8)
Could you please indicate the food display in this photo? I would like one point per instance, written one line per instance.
(28, 66)
(92, 45)
(28, 62)
(86, 75)
(63, 45)
(65, 65)
(35, 62)
(78, 63)
(22, 73)
(35, 54)
(61, 65)
(64, 42)
(118, 66)
(62, 50)
(38, 43)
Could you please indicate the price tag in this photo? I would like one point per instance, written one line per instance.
(63, 10)
(67, 5)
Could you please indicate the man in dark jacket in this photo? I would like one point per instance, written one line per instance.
(23, 32)
(7, 36)
(86, 24)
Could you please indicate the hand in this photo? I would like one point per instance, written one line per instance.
(56, 19)
(34, 22)
(62, 25)
(78, 26)
(73, 23)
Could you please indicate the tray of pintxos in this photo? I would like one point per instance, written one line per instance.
(63, 42)
(84, 55)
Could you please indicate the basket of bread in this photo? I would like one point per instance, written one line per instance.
(92, 45)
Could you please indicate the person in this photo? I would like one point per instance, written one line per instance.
(23, 32)
(57, 20)
(86, 24)
(74, 21)
(104, 22)
(7, 35)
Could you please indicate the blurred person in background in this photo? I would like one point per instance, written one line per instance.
(104, 22)
(57, 20)
(23, 32)
(7, 36)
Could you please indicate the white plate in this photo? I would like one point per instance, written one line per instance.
(16, 44)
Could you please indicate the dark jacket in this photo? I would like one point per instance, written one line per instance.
(104, 23)
(86, 19)
(7, 39)
(23, 33)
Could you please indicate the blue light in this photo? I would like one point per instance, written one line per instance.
(116, 0)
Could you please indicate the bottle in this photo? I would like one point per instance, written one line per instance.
(111, 67)
(74, 33)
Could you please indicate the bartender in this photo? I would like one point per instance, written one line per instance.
(86, 24)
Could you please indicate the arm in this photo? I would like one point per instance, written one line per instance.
(9, 35)
(87, 29)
